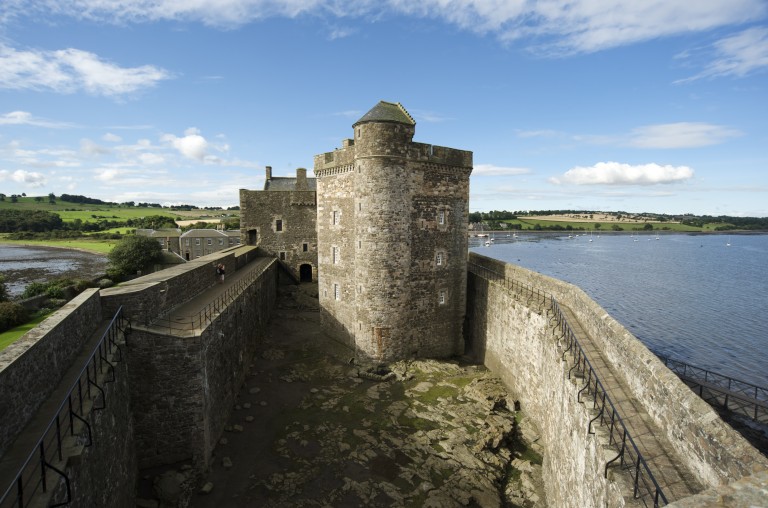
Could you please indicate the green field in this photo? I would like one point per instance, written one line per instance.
(97, 246)
(91, 213)
(529, 224)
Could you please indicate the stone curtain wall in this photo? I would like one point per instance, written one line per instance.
(229, 346)
(183, 388)
(31, 368)
(516, 344)
(709, 446)
(105, 473)
(145, 298)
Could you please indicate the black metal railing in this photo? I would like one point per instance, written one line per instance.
(732, 394)
(645, 486)
(43, 468)
(176, 322)
(525, 292)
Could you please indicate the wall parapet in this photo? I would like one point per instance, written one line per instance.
(32, 367)
(708, 446)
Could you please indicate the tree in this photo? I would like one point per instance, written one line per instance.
(3, 289)
(52, 198)
(38, 199)
(648, 226)
(132, 254)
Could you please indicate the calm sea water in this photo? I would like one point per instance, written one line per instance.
(690, 297)
(21, 265)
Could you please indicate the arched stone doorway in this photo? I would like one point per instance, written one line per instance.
(253, 236)
(305, 273)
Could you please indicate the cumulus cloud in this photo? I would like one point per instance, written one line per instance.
(192, 145)
(680, 135)
(111, 138)
(72, 70)
(574, 26)
(615, 173)
(737, 55)
(29, 178)
(491, 170)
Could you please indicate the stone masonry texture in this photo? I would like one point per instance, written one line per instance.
(392, 244)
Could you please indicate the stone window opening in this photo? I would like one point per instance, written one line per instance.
(441, 217)
(282, 255)
(278, 225)
(210, 241)
(197, 241)
(334, 255)
(304, 247)
(335, 218)
(221, 241)
(441, 297)
(359, 244)
(336, 293)
(439, 259)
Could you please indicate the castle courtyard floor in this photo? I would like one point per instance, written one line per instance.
(307, 430)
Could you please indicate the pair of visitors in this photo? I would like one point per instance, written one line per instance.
(220, 271)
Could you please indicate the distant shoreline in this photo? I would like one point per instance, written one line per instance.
(43, 245)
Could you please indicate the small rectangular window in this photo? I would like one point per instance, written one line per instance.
(278, 225)
(441, 298)
(186, 241)
(336, 295)
(359, 244)
(282, 256)
(441, 217)
(210, 241)
(334, 255)
(304, 247)
(439, 259)
(197, 241)
(221, 241)
(335, 218)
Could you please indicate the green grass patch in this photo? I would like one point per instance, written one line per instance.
(437, 392)
(96, 246)
(9, 337)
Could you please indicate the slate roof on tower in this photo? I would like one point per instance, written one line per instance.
(387, 112)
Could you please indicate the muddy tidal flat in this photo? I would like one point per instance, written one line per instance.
(21, 265)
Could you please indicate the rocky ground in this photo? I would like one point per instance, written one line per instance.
(312, 428)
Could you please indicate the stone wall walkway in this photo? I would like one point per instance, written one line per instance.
(675, 481)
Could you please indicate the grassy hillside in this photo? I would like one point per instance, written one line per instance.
(87, 212)
(530, 223)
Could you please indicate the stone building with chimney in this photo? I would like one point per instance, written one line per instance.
(280, 219)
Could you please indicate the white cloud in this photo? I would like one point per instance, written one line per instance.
(192, 145)
(91, 149)
(491, 170)
(555, 26)
(738, 55)
(71, 70)
(680, 135)
(26, 118)
(615, 173)
(29, 178)
(111, 138)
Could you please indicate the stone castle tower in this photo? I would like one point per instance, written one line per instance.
(392, 239)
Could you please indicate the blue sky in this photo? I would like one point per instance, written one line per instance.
(657, 106)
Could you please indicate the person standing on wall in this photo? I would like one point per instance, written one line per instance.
(220, 271)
